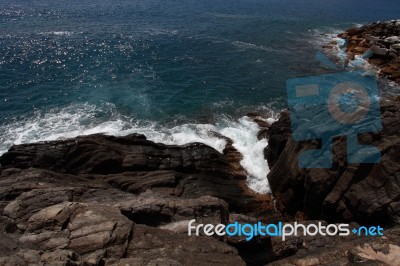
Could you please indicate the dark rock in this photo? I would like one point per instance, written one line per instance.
(91, 234)
(365, 193)
(102, 200)
(263, 134)
(374, 49)
(100, 154)
(278, 136)
(155, 211)
(153, 246)
(342, 251)
(382, 39)
(134, 164)
(258, 250)
(395, 46)
(82, 228)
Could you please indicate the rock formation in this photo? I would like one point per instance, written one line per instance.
(119, 200)
(381, 41)
(364, 193)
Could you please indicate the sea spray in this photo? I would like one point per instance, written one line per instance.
(85, 119)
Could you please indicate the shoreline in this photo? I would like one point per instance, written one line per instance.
(378, 43)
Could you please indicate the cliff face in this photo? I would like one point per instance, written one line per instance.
(364, 193)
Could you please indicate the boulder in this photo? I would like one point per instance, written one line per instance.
(375, 49)
(82, 228)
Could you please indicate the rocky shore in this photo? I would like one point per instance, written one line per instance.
(105, 200)
(98, 200)
(379, 42)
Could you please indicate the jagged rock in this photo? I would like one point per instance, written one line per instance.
(375, 49)
(96, 232)
(82, 228)
(258, 250)
(73, 233)
(371, 39)
(366, 193)
(28, 203)
(171, 183)
(157, 211)
(392, 39)
(134, 164)
(79, 202)
(34, 257)
(395, 46)
(333, 250)
(382, 39)
(278, 136)
(100, 154)
(348, 251)
(157, 246)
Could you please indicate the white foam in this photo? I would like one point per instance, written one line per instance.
(59, 33)
(187, 133)
(244, 136)
(246, 45)
(319, 38)
(153, 31)
(358, 61)
(86, 119)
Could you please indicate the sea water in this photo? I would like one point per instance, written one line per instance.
(175, 70)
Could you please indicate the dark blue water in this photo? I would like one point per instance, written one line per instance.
(80, 67)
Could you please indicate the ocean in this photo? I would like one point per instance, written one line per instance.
(173, 70)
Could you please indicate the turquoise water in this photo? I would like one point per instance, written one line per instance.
(174, 70)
